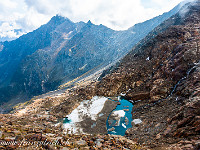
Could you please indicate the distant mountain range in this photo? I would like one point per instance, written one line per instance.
(62, 50)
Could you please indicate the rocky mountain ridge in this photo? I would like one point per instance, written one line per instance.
(61, 51)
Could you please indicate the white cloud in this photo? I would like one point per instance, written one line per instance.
(8, 30)
(116, 14)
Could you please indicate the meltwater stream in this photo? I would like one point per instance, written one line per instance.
(119, 125)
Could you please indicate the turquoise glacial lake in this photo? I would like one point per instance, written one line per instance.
(123, 126)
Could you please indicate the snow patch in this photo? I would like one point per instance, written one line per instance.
(67, 36)
(119, 98)
(119, 113)
(88, 108)
(83, 67)
(114, 132)
(123, 94)
(137, 121)
(123, 125)
(100, 115)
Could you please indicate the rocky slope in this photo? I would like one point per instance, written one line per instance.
(37, 124)
(162, 72)
(60, 51)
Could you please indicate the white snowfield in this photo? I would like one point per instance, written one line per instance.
(137, 121)
(118, 114)
(90, 108)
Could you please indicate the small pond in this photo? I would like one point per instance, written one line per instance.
(120, 118)
(117, 123)
(66, 120)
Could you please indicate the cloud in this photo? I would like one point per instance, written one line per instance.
(117, 14)
(184, 10)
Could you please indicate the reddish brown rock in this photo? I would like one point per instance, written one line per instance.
(138, 96)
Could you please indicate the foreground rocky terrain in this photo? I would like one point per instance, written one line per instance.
(161, 76)
(38, 124)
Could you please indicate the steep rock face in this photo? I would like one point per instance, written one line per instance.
(61, 51)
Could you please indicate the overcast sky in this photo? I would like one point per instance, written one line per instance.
(116, 14)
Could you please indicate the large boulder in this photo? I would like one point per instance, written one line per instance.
(159, 90)
(138, 96)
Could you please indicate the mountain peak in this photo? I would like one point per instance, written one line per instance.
(59, 19)
(89, 22)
